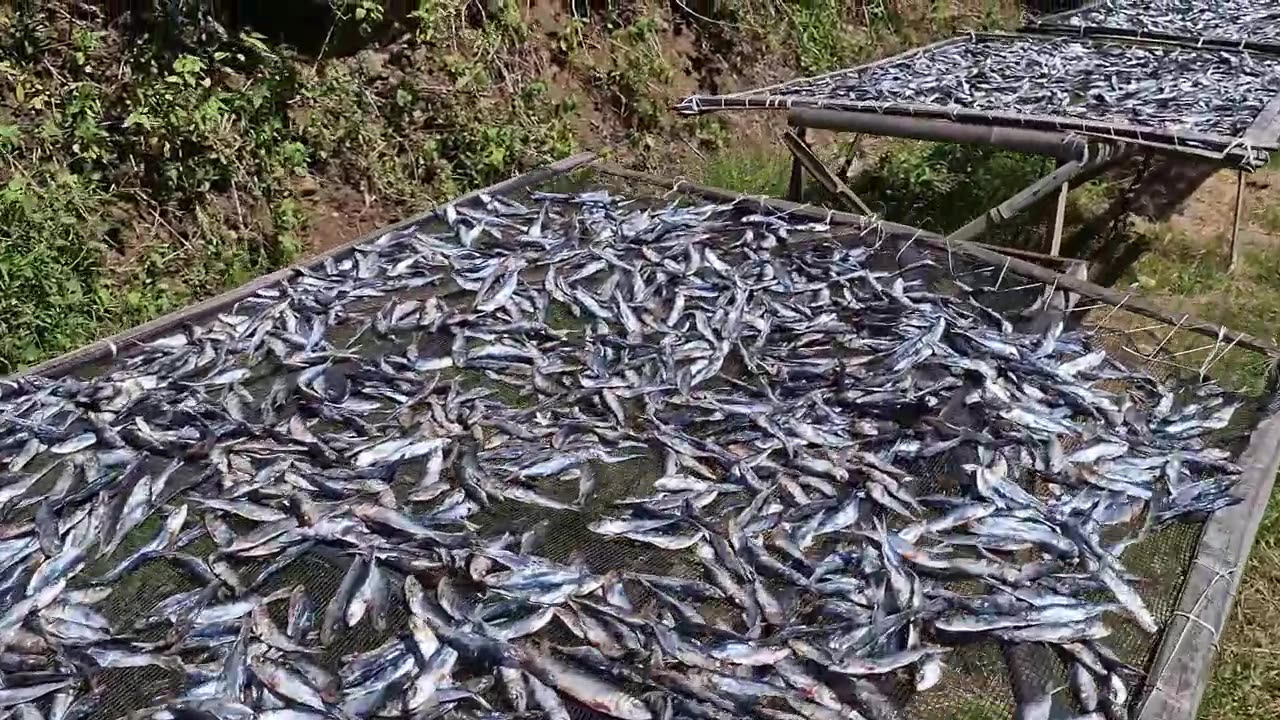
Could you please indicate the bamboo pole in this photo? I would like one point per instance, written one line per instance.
(1235, 223)
(1059, 217)
(1040, 142)
(795, 188)
(804, 155)
(1174, 142)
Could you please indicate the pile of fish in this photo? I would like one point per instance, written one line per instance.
(1213, 92)
(734, 415)
(1252, 20)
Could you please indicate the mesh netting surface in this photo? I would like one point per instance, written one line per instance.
(975, 684)
(1239, 20)
(1202, 98)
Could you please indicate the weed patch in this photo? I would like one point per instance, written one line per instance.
(1268, 217)
(146, 175)
(152, 161)
(941, 186)
(1190, 277)
(751, 170)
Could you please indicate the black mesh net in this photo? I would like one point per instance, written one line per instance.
(976, 681)
(1097, 85)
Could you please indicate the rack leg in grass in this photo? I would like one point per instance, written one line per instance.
(1235, 223)
(795, 188)
(1055, 245)
(805, 157)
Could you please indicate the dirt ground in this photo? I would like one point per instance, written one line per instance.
(1207, 216)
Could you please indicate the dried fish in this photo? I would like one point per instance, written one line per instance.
(1174, 89)
(1251, 20)
(779, 393)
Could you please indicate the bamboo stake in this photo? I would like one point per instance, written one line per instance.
(1235, 224)
(820, 172)
(1055, 246)
(795, 189)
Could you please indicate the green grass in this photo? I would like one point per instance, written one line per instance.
(829, 34)
(1246, 675)
(750, 170)
(942, 186)
(1192, 275)
(931, 185)
(1268, 217)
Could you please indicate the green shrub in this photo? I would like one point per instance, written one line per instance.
(941, 186)
(145, 175)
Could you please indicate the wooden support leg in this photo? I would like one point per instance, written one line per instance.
(803, 154)
(795, 189)
(1055, 246)
(1235, 224)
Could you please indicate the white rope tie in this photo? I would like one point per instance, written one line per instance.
(1189, 617)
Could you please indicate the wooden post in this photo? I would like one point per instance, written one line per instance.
(803, 154)
(1235, 224)
(795, 189)
(1055, 246)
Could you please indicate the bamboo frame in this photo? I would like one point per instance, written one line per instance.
(1229, 147)
(1249, 150)
(1266, 126)
(1181, 668)
(1059, 24)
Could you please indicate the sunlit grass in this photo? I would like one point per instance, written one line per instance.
(1192, 276)
(754, 170)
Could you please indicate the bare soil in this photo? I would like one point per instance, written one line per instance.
(1207, 215)
(337, 214)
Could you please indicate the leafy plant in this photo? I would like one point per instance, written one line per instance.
(942, 186)
(150, 167)
(751, 171)
(56, 294)
(366, 14)
(636, 73)
(147, 175)
(825, 34)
